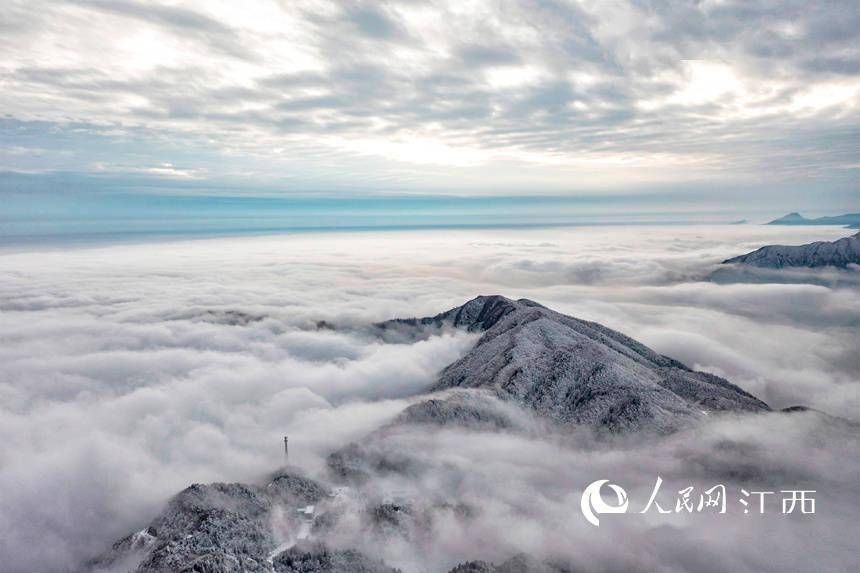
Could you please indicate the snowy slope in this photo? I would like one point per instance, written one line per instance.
(580, 372)
(839, 253)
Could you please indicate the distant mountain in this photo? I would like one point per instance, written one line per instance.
(850, 219)
(839, 253)
(791, 219)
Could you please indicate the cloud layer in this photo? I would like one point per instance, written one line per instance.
(129, 371)
(525, 492)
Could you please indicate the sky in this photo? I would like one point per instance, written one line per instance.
(750, 102)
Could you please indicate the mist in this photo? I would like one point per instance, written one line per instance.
(522, 493)
(128, 372)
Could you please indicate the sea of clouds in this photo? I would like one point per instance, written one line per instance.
(129, 371)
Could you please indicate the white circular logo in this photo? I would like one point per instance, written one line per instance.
(593, 505)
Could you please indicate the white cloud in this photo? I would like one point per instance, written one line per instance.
(706, 82)
(117, 388)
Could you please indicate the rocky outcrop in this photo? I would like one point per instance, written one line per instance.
(214, 528)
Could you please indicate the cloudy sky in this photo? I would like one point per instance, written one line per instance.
(527, 97)
(125, 376)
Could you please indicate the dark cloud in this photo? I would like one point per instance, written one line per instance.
(481, 55)
(374, 23)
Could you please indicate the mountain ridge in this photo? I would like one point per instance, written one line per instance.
(852, 220)
(839, 253)
(530, 362)
(575, 371)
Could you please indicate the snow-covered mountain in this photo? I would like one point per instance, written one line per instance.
(215, 528)
(532, 368)
(573, 371)
(839, 253)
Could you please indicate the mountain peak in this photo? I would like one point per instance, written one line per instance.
(567, 370)
(575, 371)
(793, 217)
(484, 311)
(476, 315)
